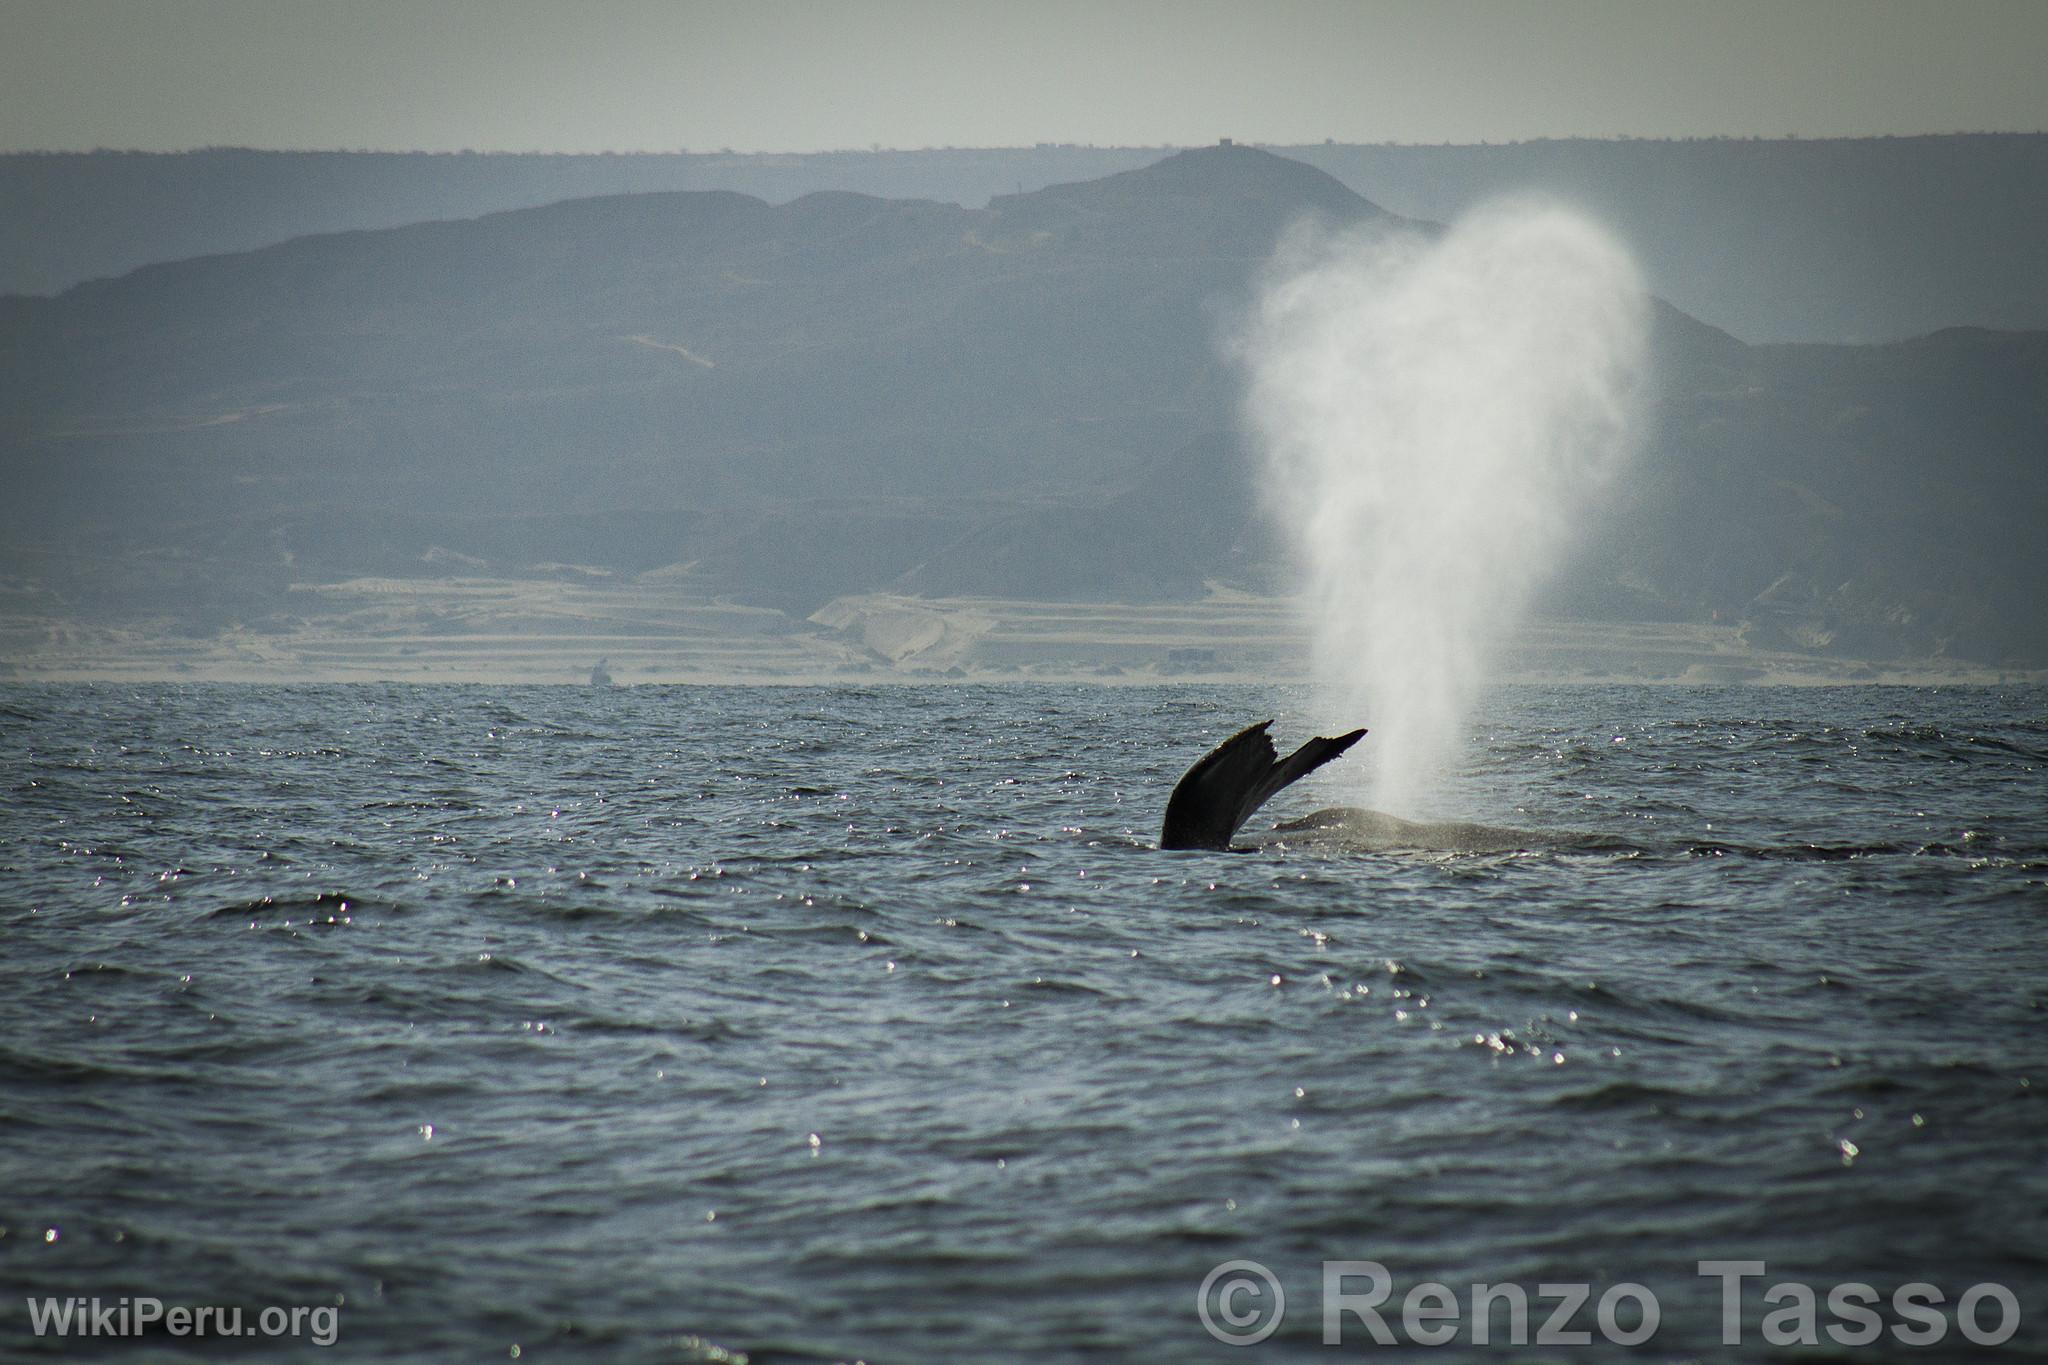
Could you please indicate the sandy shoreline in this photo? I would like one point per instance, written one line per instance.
(657, 630)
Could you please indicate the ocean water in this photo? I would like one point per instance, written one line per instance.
(808, 1024)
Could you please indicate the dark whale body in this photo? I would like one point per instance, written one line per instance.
(1371, 831)
(1216, 796)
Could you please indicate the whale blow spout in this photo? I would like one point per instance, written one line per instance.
(1216, 796)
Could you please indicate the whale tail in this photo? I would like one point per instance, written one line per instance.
(1216, 796)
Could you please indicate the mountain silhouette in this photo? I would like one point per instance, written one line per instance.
(844, 393)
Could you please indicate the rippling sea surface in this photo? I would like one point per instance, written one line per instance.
(662, 1023)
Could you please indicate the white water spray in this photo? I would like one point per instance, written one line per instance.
(1437, 415)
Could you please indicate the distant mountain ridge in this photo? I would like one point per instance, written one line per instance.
(843, 394)
(1773, 240)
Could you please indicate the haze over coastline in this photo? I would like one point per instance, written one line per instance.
(616, 746)
(951, 413)
(922, 413)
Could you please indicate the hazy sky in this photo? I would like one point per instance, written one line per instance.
(587, 75)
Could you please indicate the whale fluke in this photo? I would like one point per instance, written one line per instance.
(1221, 791)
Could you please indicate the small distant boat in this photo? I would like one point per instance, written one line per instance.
(600, 678)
